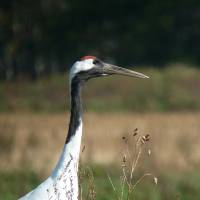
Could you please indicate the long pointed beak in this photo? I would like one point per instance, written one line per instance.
(112, 69)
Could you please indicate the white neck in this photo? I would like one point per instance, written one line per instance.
(71, 149)
(66, 171)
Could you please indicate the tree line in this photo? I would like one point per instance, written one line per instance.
(46, 36)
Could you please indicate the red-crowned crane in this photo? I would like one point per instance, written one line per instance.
(62, 184)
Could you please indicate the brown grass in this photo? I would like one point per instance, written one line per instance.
(36, 140)
(134, 144)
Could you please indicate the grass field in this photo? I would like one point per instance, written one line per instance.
(174, 144)
(33, 128)
(184, 186)
(173, 88)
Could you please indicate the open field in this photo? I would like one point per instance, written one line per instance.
(172, 88)
(33, 142)
(33, 129)
(178, 186)
(174, 138)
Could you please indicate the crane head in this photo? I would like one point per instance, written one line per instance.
(90, 67)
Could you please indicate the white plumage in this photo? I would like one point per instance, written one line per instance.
(63, 182)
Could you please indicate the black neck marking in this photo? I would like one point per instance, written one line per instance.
(76, 106)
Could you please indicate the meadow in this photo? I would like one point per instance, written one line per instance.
(31, 145)
(34, 121)
(174, 88)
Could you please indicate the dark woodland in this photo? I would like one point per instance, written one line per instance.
(42, 37)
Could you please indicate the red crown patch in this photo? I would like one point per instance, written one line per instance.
(88, 57)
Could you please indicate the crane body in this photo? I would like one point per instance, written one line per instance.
(62, 184)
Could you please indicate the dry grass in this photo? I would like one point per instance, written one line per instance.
(36, 140)
(134, 145)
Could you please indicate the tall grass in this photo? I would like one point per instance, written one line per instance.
(172, 185)
(131, 158)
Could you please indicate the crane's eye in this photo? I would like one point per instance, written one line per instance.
(96, 62)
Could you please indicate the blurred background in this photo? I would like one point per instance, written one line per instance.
(39, 41)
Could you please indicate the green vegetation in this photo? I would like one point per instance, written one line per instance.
(173, 88)
(173, 185)
(14, 183)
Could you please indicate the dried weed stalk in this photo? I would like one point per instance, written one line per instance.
(133, 147)
(87, 174)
